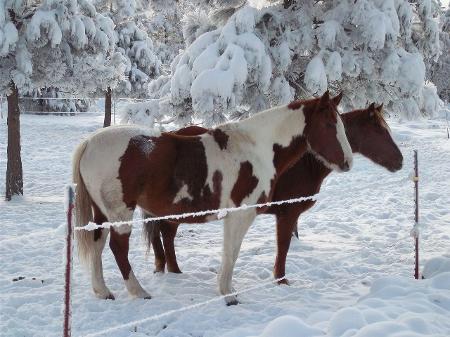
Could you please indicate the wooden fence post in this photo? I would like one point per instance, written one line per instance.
(68, 272)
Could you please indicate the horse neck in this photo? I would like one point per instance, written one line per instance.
(278, 125)
(354, 136)
(317, 170)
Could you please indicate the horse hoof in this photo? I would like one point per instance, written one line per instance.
(142, 294)
(158, 271)
(110, 297)
(284, 281)
(231, 300)
(104, 295)
(175, 271)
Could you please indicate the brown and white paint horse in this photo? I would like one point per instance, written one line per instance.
(119, 168)
(368, 134)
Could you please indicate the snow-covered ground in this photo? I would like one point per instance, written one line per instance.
(351, 271)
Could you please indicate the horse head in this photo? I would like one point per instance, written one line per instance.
(325, 133)
(369, 134)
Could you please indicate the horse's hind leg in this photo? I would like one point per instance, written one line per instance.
(153, 239)
(169, 231)
(119, 244)
(158, 250)
(235, 228)
(100, 236)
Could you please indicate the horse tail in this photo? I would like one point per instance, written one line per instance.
(149, 230)
(83, 206)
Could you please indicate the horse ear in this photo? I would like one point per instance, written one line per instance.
(371, 110)
(325, 97)
(380, 108)
(336, 100)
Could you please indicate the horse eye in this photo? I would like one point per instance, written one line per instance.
(330, 125)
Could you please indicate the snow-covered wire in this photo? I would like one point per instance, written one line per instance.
(81, 98)
(186, 308)
(222, 212)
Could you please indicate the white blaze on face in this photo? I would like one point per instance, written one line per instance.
(345, 145)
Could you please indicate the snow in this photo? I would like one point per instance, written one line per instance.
(334, 67)
(315, 76)
(351, 272)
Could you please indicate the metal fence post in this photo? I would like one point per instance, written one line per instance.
(416, 215)
(68, 272)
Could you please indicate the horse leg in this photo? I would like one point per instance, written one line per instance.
(119, 244)
(151, 231)
(160, 256)
(235, 228)
(169, 231)
(285, 225)
(100, 236)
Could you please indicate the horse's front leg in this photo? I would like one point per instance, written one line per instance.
(285, 225)
(119, 244)
(235, 228)
(99, 239)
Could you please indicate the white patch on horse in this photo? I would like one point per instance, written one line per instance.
(100, 165)
(134, 288)
(345, 145)
(182, 194)
(252, 140)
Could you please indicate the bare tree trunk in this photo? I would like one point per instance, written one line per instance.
(14, 176)
(108, 96)
(288, 3)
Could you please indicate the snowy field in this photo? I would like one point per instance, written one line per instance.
(350, 272)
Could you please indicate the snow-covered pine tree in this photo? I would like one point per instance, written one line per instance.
(52, 100)
(440, 70)
(60, 43)
(262, 57)
(133, 42)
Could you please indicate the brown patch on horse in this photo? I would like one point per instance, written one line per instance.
(133, 169)
(119, 244)
(99, 218)
(285, 157)
(190, 158)
(245, 183)
(220, 137)
(178, 160)
(261, 200)
(191, 130)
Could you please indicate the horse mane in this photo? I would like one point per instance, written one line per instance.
(301, 102)
(378, 115)
(380, 118)
(180, 137)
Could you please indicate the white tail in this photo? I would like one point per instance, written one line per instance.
(83, 206)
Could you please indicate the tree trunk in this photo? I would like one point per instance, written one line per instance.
(288, 3)
(108, 96)
(14, 177)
